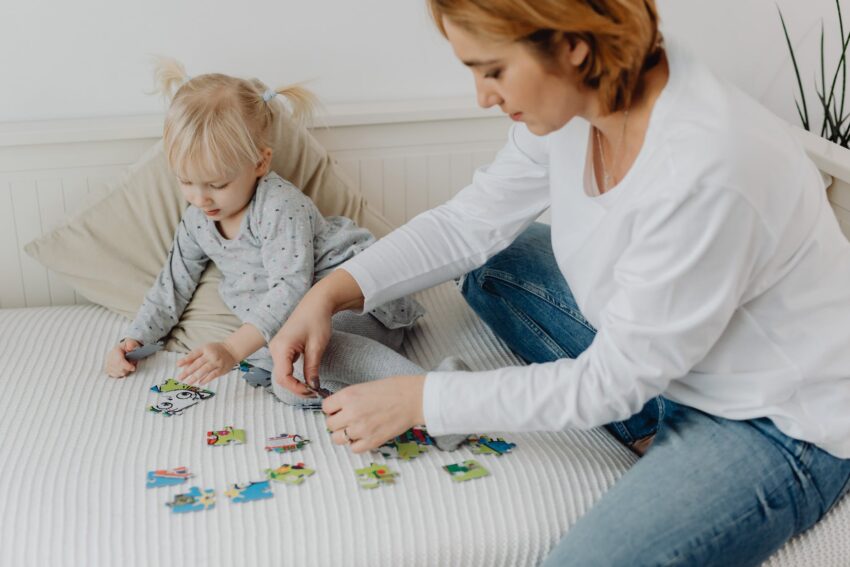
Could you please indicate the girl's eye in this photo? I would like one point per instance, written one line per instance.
(219, 186)
(494, 74)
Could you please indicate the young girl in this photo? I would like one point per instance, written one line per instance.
(268, 239)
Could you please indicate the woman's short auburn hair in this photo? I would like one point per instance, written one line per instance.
(622, 35)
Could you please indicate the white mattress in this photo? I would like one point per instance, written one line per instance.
(76, 447)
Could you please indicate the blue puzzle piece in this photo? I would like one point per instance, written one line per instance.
(252, 491)
(193, 501)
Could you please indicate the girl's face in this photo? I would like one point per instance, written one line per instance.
(513, 77)
(226, 197)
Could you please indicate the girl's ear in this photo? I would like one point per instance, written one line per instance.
(265, 163)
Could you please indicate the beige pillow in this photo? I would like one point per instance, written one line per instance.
(113, 251)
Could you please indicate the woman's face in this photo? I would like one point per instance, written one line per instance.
(512, 76)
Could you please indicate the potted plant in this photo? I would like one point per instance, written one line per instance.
(835, 126)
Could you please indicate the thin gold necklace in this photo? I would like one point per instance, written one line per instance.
(607, 174)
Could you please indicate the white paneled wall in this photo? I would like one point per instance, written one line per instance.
(403, 163)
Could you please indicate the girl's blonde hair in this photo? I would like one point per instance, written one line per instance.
(216, 124)
(622, 36)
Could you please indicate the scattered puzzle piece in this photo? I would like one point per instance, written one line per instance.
(404, 450)
(418, 435)
(168, 477)
(374, 475)
(483, 445)
(174, 397)
(286, 442)
(467, 470)
(226, 436)
(260, 490)
(289, 474)
(255, 376)
(192, 501)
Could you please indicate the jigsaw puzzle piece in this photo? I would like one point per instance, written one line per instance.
(289, 474)
(226, 436)
(467, 470)
(168, 477)
(192, 501)
(260, 490)
(484, 445)
(375, 475)
(174, 397)
(286, 442)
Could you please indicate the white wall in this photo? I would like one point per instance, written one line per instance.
(87, 58)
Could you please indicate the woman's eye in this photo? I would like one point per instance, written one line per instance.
(493, 74)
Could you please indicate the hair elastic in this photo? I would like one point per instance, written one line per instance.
(269, 94)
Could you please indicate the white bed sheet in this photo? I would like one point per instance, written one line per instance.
(76, 447)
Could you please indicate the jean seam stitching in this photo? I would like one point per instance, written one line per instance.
(553, 346)
(538, 292)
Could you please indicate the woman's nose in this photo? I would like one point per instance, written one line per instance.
(487, 96)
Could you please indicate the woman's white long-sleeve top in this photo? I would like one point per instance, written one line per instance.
(715, 273)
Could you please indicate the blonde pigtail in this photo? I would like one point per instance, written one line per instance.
(169, 76)
(302, 102)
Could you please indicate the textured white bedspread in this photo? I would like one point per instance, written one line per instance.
(75, 448)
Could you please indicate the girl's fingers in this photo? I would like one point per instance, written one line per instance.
(189, 358)
(189, 372)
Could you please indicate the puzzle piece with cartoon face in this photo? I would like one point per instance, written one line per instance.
(174, 397)
(260, 490)
(193, 501)
(286, 442)
(289, 474)
(226, 436)
(168, 477)
(375, 475)
(404, 450)
(467, 470)
(488, 446)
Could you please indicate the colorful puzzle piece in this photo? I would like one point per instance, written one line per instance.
(255, 376)
(418, 435)
(168, 477)
(260, 490)
(174, 397)
(467, 470)
(488, 446)
(289, 474)
(404, 450)
(286, 442)
(226, 436)
(193, 501)
(374, 475)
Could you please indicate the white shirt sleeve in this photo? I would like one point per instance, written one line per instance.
(460, 235)
(677, 286)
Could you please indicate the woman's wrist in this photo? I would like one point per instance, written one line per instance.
(337, 292)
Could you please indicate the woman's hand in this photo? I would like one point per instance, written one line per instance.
(206, 363)
(306, 332)
(308, 329)
(117, 365)
(368, 415)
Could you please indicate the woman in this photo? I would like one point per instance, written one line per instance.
(693, 293)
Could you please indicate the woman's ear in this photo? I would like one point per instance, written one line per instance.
(265, 163)
(574, 52)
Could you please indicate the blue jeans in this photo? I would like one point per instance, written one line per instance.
(709, 491)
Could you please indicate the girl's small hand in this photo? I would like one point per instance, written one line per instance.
(117, 365)
(368, 415)
(206, 363)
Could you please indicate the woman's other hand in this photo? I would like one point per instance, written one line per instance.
(368, 415)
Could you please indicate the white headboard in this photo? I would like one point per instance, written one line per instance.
(405, 157)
